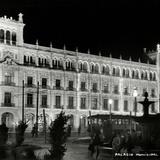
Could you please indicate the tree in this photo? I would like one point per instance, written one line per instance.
(58, 136)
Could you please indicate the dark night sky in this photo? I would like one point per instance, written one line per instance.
(117, 26)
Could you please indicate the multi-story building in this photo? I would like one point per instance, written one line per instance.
(76, 82)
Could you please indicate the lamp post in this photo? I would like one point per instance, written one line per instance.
(135, 93)
(110, 109)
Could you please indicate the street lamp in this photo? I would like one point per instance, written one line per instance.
(110, 105)
(135, 94)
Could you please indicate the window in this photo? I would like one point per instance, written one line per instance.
(44, 82)
(44, 101)
(70, 103)
(116, 89)
(153, 108)
(125, 105)
(94, 103)
(83, 102)
(94, 87)
(70, 85)
(7, 98)
(29, 99)
(153, 93)
(83, 86)
(7, 79)
(116, 105)
(105, 104)
(29, 81)
(58, 83)
(126, 91)
(58, 101)
(106, 88)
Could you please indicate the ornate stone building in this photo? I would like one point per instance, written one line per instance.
(78, 82)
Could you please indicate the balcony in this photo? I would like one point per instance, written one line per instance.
(44, 65)
(116, 92)
(8, 104)
(57, 106)
(29, 64)
(84, 90)
(44, 106)
(58, 67)
(8, 83)
(71, 69)
(30, 85)
(94, 90)
(45, 87)
(126, 93)
(70, 107)
(58, 88)
(70, 89)
(29, 106)
(105, 91)
(83, 107)
(83, 70)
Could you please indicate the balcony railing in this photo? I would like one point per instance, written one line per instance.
(70, 107)
(8, 104)
(29, 105)
(71, 69)
(30, 85)
(45, 87)
(58, 88)
(58, 67)
(44, 65)
(57, 106)
(83, 107)
(29, 64)
(83, 89)
(44, 106)
(126, 93)
(94, 90)
(8, 83)
(82, 70)
(105, 91)
(70, 89)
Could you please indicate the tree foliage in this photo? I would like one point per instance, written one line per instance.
(58, 136)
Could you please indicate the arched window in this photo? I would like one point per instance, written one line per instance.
(107, 70)
(133, 74)
(2, 36)
(8, 37)
(150, 76)
(127, 73)
(123, 72)
(13, 38)
(154, 76)
(142, 75)
(137, 74)
(114, 71)
(103, 69)
(146, 75)
(85, 67)
(117, 71)
(92, 68)
(96, 68)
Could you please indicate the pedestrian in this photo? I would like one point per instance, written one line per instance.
(33, 132)
(116, 143)
(91, 148)
(97, 142)
(79, 130)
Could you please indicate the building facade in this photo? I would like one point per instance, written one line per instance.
(76, 82)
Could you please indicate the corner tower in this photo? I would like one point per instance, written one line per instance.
(11, 31)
